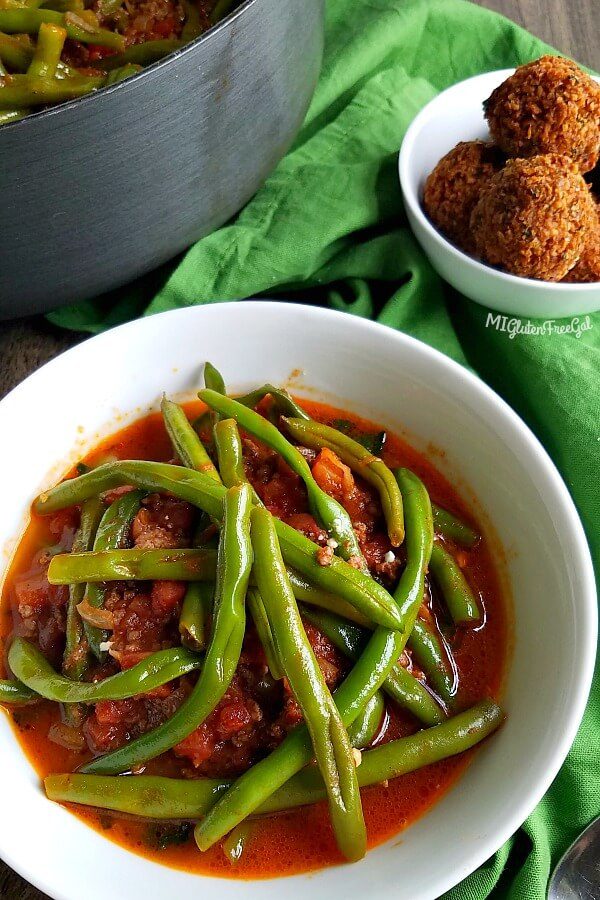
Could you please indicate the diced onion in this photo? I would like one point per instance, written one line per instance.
(98, 617)
(66, 736)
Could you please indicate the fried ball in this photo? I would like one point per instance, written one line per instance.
(535, 217)
(588, 267)
(453, 188)
(547, 106)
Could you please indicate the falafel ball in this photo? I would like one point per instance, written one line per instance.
(587, 269)
(535, 218)
(547, 106)
(453, 188)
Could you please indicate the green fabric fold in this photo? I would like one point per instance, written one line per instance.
(328, 228)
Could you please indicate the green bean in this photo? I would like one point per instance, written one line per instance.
(400, 757)
(49, 46)
(213, 379)
(220, 10)
(192, 26)
(231, 467)
(229, 452)
(180, 565)
(223, 653)
(360, 460)
(235, 843)
(135, 564)
(228, 445)
(33, 669)
(28, 21)
(112, 534)
(283, 402)
(195, 612)
(156, 797)
(17, 91)
(419, 542)
(64, 71)
(186, 443)
(331, 514)
(126, 71)
(12, 115)
(327, 732)
(458, 596)
(15, 692)
(368, 597)
(139, 564)
(63, 6)
(147, 796)
(140, 54)
(256, 606)
(409, 693)
(357, 588)
(367, 724)
(115, 526)
(75, 657)
(186, 484)
(315, 596)
(449, 526)
(400, 685)
(14, 53)
(436, 663)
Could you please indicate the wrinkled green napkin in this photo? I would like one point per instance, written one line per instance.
(328, 227)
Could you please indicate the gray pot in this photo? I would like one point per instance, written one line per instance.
(97, 191)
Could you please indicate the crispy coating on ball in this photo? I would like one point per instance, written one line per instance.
(588, 268)
(453, 188)
(547, 106)
(535, 217)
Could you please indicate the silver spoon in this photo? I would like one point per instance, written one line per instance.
(577, 875)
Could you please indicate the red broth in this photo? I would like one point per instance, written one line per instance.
(301, 840)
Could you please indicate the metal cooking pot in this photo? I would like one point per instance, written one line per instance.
(99, 190)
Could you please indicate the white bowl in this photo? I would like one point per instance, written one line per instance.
(457, 115)
(61, 410)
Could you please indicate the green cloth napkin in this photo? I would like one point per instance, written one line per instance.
(328, 227)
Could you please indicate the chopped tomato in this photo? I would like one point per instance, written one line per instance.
(165, 27)
(283, 495)
(63, 522)
(305, 523)
(197, 746)
(96, 52)
(33, 593)
(166, 596)
(232, 718)
(112, 712)
(129, 658)
(332, 475)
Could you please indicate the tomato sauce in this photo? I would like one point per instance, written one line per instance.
(301, 840)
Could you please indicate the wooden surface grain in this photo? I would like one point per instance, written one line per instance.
(573, 26)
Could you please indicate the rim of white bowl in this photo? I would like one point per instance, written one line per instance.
(476, 388)
(411, 197)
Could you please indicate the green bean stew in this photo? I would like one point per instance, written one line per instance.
(57, 50)
(201, 638)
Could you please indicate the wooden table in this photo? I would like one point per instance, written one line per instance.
(573, 26)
